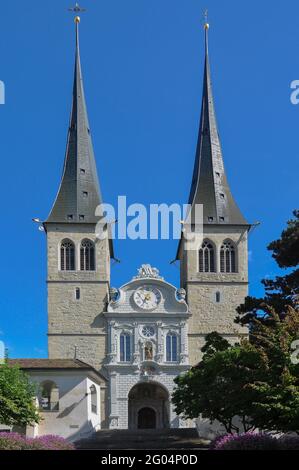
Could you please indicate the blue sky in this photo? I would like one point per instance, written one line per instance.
(142, 63)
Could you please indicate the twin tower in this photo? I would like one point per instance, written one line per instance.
(214, 275)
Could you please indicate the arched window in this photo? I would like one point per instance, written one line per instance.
(218, 297)
(93, 399)
(228, 258)
(206, 258)
(49, 396)
(87, 256)
(125, 347)
(171, 347)
(67, 256)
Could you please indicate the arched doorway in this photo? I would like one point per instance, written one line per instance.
(148, 406)
(147, 418)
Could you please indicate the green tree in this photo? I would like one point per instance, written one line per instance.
(282, 291)
(257, 380)
(16, 397)
(217, 388)
(276, 405)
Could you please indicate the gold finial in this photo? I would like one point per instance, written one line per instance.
(77, 19)
(206, 24)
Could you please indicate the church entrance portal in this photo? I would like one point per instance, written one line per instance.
(146, 418)
(148, 407)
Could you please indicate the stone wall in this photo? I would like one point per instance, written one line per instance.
(207, 314)
(77, 327)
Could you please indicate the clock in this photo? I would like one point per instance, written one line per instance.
(147, 297)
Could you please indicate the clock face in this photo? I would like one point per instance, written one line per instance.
(147, 297)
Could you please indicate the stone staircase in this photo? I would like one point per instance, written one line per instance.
(143, 439)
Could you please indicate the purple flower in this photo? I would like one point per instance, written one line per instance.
(15, 441)
(245, 441)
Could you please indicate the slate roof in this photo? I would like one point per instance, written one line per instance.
(52, 364)
(209, 183)
(79, 192)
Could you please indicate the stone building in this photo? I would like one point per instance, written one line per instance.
(141, 336)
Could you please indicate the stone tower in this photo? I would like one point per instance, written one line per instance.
(78, 262)
(215, 273)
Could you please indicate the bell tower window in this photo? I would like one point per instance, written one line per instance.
(67, 256)
(87, 256)
(228, 258)
(206, 258)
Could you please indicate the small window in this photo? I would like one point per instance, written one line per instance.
(217, 174)
(221, 219)
(218, 297)
(77, 293)
(222, 196)
(210, 219)
(125, 348)
(82, 171)
(49, 396)
(70, 217)
(85, 194)
(93, 399)
(81, 217)
(171, 347)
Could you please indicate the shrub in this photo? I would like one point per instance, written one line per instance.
(52, 442)
(15, 441)
(288, 442)
(246, 441)
(11, 441)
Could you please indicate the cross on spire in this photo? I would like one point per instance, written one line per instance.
(206, 14)
(77, 8)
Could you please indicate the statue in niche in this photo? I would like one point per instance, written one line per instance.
(148, 351)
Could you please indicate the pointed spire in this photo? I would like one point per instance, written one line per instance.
(209, 183)
(79, 191)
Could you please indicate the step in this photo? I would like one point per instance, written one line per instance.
(143, 439)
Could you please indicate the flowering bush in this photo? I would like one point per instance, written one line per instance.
(52, 442)
(11, 441)
(246, 441)
(15, 441)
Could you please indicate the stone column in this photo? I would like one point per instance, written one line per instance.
(113, 401)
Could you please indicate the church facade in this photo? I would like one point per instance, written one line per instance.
(140, 336)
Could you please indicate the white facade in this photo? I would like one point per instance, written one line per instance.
(75, 411)
(156, 338)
